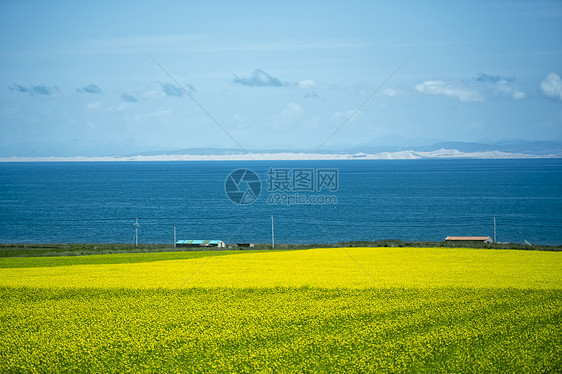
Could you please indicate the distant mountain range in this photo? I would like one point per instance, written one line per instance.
(531, 148)
(442, 150)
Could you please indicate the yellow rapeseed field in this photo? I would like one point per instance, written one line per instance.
(318, 310)
(327, 268)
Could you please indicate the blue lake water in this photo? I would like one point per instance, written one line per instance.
(400, 199)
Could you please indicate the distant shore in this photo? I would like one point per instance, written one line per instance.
(82, 249)
(274, 156)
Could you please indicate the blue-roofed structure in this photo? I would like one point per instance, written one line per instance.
(200, 243)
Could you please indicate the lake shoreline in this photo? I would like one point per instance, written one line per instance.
(84, 249)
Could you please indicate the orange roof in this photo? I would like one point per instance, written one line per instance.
(478, 238)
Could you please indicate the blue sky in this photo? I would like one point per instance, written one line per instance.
(76, 78)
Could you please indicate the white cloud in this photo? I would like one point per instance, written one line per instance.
(478, 89)
(91, 89)
(172, 90)
(128, 98)
(153, 94)
(307, 83)
(518, 95)
(259, 78)
(121, 106)
(93, 106)
(551, 86)
(457, 90)
(291, 110)
(351, 114)
(40, 89)
(291, 113)
(506, 88)
(390, 92)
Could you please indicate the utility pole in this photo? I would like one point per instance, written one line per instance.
(494, 229)
(272, 234)
(136, 232)
(174, 236)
